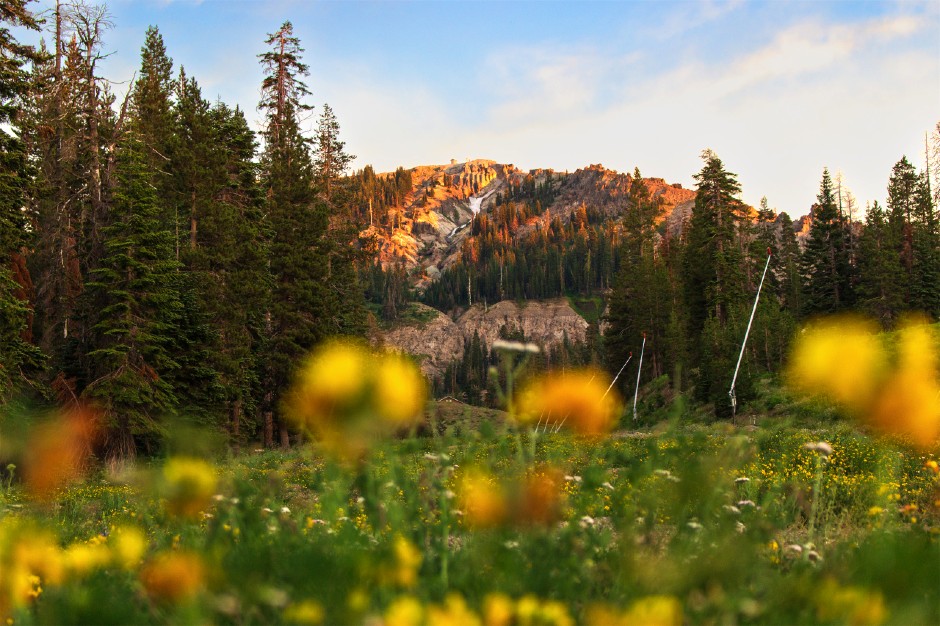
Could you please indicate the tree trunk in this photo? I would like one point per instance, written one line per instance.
(268, 429)
(285, 435)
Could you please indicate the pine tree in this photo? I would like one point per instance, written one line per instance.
(300, 313)
(330, 160)
(827, 269)
(136, 326)
(17, 355)
(715, 282)
(881, 285)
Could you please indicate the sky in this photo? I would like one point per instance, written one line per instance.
(779, 90)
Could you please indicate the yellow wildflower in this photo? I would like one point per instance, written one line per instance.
(399, 390)
(407, 562)
(653, 611)
(189, 485)
(128, 545)
(842, 358)
(577, 399)
(173, 577)
(404, 611)
(306, 612)
(497, 610)
(454, 612)
(82, 558)
(482, 499)
(850, 605)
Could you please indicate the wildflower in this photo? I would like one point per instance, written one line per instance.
(189, 485)
(482, 499)
(497, 610)
(578, 399)
(82, 558)
(404, 611)
(909, 403)
(850, 605)
(932, 466)
(454, 612)
(840, 357)
(819, 447)
(173, 577)
(542, 497)
(59, 452)
(654, 611)
(407, 562)
(400, 390)
(128, 545)
(348, 400)
(306, 612)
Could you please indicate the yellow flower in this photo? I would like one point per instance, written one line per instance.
(910, 401)
(841, 357)
(333, 380)
(83, 558)
(306, 612)
(542, 497)
(59, 452)
(408, 562)
(404, 611)
(454, 613)
(577, 399)
(399, 390)
(653, 611)
(128, 545)
(497, 610)
(482, 499)
(173, 577)
(189, 485)
(850, 605)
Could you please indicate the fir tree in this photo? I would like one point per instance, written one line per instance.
(827, 269)
(135, 328)
(17, 355)
(881, 287)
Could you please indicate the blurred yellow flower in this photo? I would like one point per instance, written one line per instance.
(850, 605)
(333, 379)
(577, 399)
(349, 398)
(542, 497)
(81, 559)
(188, 486)
(653, 611)
(497, 610)
(59, 452)
(454, 612)
(308, 612)
(844, 359)
(407, 562)
(482, 499)
(840, 357)
(909, 403)
(173, 577)
(399, 390)
(128, 545)
(404, 611)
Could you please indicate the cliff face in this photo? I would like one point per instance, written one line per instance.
(437, 342)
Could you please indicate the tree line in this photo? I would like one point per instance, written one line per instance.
(158, 261)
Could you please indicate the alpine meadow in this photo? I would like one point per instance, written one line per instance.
(249, 377)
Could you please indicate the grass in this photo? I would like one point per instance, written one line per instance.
(680, 524)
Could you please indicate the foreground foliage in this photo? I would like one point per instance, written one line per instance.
(768, 524)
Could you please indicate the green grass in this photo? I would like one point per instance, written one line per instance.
(852, 538)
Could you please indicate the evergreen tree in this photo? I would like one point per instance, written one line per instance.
(17, 355)
(715, 282)
(330, 160)
(925, 270)
(827, 269)
(300, 314)
(135, 328)
(881, 286)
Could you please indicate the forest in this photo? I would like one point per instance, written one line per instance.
(199, 422)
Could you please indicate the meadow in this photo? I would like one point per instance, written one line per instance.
(791, 515)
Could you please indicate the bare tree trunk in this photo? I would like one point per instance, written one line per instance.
(269, 429)
(285, 435)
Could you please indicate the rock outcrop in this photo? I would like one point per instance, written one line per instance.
(439, 341)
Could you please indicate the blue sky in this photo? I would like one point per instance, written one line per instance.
(778, 89)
